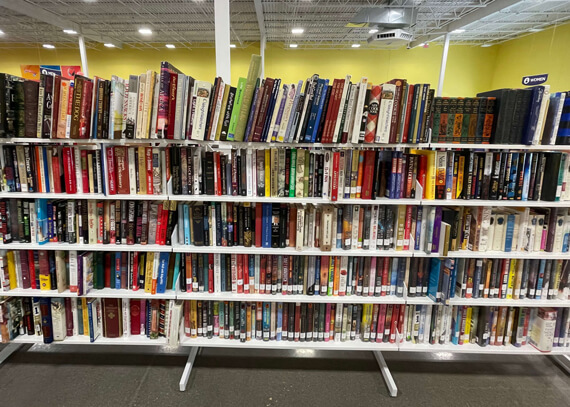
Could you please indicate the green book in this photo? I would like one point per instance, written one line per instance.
(306, 175)
(252, 75)
(236, 109)
(292, 173)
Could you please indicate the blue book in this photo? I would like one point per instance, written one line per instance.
(318, 274)
(162, 272)
(477, 278)
(421, 105)
(513, 176)
(266, 320)
(314, 110)
(266, 225)
(398, 187)
(42, 234)
(509, 233)
(176, 270)
(533, 114)
(391, 187)
(251, 267)
(95, 320)
(95, 115)
(526, 176)
(187, 235)
(453, 268)
(436, 230)
(540, 280)
(279, 320)
(320, 111)
(46, 169)
(564, 125)
(433, 282)
(270, 109)
(339, 228)
(449, 173)
(252, 111)
(117, 270)
(419, 219)
(400, 278)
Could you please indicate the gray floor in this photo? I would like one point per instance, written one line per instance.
(121, 376)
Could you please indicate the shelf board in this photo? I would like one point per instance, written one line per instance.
(522, 147)
(289, 251)
(496, 255)
(495, 203)
(330, 345)
(103, 293)
(498, 302)
(87, 247)
(474, 348)
(51, 195)
(84, 340)
(261, 145)
(275, 199)
(349, 299)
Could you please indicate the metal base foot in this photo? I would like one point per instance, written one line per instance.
(388, 379)
(188, 367)
(8, 350)
(563, 361)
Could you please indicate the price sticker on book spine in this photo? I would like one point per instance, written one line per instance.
(424, 290)
(551, 292)
(193, 332)
(486, 291)
(481, 287)
(470, 291)
(366, 335)
(517, 292)
(372, 336)
(265, 335)
(365, 291)
(539, 293)
(366, 242)
(195, 286)
(240, 283)
(359, 289)
(379, 290)
(400, 290)
(242, 335)
(272, 334)
(297, 335)
(256, 287)
(412, 290)
(309, 335)
(321, 335)
(216, 331)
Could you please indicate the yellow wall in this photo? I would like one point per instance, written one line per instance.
(544, 52)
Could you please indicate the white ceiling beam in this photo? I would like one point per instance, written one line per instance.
(467, 19)
(262, 32)
(35, 12)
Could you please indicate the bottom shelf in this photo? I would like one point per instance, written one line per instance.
(84, 340)
(473, 348)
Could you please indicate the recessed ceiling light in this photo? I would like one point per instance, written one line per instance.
(535, 30)
(373, 31)
(355, 45)
(109, 45)
(458, 31)
(297, 31)
(486, 45)
(48, 46)
(145, 31)
(293, 45)
(70, 31)
(170, 46)
(1, 32)
(232, 45)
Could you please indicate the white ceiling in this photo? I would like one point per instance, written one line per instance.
(190, 23)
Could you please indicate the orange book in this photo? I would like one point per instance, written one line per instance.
(360, 174)
(324, 274)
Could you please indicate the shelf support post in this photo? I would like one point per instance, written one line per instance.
(188, 367)
(8, 350)
(443, 63)
(83, 54)
(563, 361)
(388, 379)
(222, 36)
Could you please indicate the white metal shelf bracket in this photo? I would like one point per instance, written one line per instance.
(188, 367)
(388, 379)
(8, 350)
(563, 361)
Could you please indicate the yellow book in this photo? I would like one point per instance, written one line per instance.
(354, 173)
(512, 278)
(12, 270)
(148, 101)
(274, 171)
(400, 227)
(142, 170)
(336, 281)
(429, 188)
(194, 318)
(267, 172)
(459, 187)
(222, 111)
(148, 272)
(366, 321)
(85, 312)
(467, 333)
(331, 276)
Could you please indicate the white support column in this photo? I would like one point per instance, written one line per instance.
(83, 54)
(8, 350)
(222, 27)
(443, 63)
(188, 367)
(262, 45)
(388, 379)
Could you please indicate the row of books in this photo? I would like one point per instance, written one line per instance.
(56, 319)
(501, 176)
(508, 279)
(543, 328)
(84, 221)
(81, 272)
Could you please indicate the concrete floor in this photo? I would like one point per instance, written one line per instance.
(140, 376)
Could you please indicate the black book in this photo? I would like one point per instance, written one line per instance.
(175, 170)
(206, 223)
(310, 94)
(240, 225)
(172, 218)
(550, 182)
(238, 174)
(131, 222)
(282, 225)
(480, 120)
(495, 177)
(320, 175)
(520, 175)
(533, 176)
(243, 173)
(523, 98)
(480, 174)
(106, 106)
(228, 113)
(504, 106)
(468, 175)
(223, 174)
(25, 236)
(198, 225)
(209, 173)
(218, 225)
(540, 176)
(323, 116)
(291, 323)
(275, 212)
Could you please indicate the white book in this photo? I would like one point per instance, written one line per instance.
(541, 115)
(349, 118)
(557, 118)
(78, 174)
(212, 220)
(140, 106)
(523, 227)
(345, 87)
(125, 104)
(359, 109)
(197, 173)
(385, 113)
(281, 93)
(290, 132)
(73, 276)
(202, 94)
(187, 90)
(132, 171)
(218, 106)
(499, 234)
(147, 103)
(92, 221)
(373, 227)
(559, 231)
(287, 111)
(326, 174)
(249, 171)
(217, 273)
(33, 222)
(300, 228)
(485, 226)
(154, 117)
(311, 227)
(341, 174)
(355, 217)
(179, 111)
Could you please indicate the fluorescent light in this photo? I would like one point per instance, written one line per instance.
(458, 31)
(422, 44)
(535, 30)
(373, 31)
(355, 45)
(109, 45)
(145, 31)
(293, 45)
(70, 32)
(48, 46)
(232, 45)
(486, 45)
(1, 32)
(170, 46)
(297, 31)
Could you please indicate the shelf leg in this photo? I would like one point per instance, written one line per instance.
(8, 350)
(188, 367)
(388, 379)
(563, 361)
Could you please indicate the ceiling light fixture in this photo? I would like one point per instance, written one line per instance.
(535, 30)
(297, 31)
(293, 45)
(1, 32)
(170, 46)
(486, 45)
(232, 45)
(72, 32)
(109, 45)
(355, 45)
(48, 46)
(145, 31)
(458, 31)
(373, 31)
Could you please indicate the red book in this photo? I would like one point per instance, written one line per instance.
(44, 268)
(401, 322)
(503, 281)
(385, 274)
(112, 317)
(69, 170)
(360, 174)
(159, 224)
(408, 227)
(394, 325)
(134, 284)
(338, 102)
(368, 177)
(35, 153)
(409, 169)
(396, 110)
(245, 274)
(380, 323)
(334, 188)
(285, 322)
(211, 273)
(297, 319)
(68, 317)
(148, 153)
(388, 323)
(258, 219)
(172, 104)
(240, 273)
(136, 316)
(56, 170)
(85, 113)
(260, 122)
(164, 225)
(25, 270)
(408, 113)
(112, 190)
(84, 171)
(422, 171)
(32, 266)
(262, 273)
(122, 170)
(332, 101)
(218, 178)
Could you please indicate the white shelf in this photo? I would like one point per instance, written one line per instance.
(286, 199)
(84, 340)
(513, 147)
(420, 300)
(103, 293)
(348, 299)
(139, 197)
(496, 255)
(34, 140)
(51, 195)
(288, 251)
(88, 247)
(495, 203)
(261, 145)
(474, 348)
(498, 302)
(254, 343)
